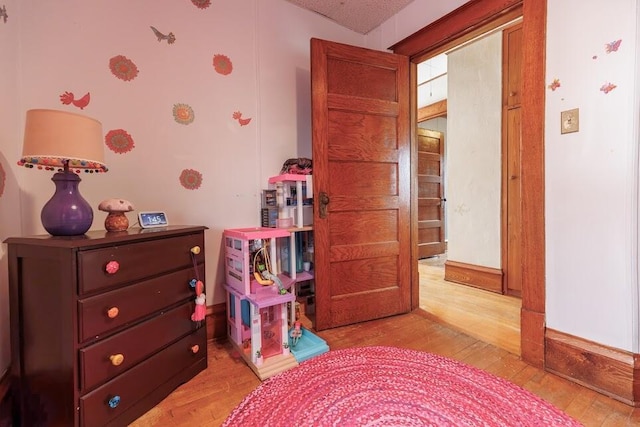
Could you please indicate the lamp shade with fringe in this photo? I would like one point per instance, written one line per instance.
(66, 143)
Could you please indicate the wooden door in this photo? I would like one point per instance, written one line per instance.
(430, 146)
(361, 183)
(511, 146)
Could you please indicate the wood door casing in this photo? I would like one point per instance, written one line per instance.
(430, 153)
(361, 151)
(466, 22)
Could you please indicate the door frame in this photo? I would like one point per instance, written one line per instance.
(468, 21)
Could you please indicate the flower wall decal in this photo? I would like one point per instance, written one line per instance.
(191, 179)
(222, 64)
(119, 141)
(201, 4)
(123, 68)
(183, 114)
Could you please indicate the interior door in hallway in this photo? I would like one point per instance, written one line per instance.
(361, 167)
(512, 145)
(430, 147)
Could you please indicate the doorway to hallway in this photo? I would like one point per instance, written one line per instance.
(484, 315)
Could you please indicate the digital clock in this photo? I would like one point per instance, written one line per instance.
(152, 219)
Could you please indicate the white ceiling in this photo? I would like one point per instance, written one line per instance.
(361, 16)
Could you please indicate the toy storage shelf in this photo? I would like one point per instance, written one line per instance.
(279, 181)
(303, 190)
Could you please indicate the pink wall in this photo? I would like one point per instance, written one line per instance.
(50, 48)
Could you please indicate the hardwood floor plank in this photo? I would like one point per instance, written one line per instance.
(556, 388)
(634, 418)
(580, 404)
(596, 414)
(508, 366)
(528, 374)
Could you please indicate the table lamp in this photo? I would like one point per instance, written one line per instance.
(67, 143)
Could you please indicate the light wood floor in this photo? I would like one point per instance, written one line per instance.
(209, 398)
(484, 315)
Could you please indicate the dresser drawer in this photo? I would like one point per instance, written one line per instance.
(99, 362)
(140, 381)
(111, 310)
(136, 261)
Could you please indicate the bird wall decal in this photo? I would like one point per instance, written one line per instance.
(238, 116)
(68, 98)
(170, 38)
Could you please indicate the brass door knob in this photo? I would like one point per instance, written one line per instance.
(113, 312)
(324, 201)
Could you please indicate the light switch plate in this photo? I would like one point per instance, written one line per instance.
(570, 121)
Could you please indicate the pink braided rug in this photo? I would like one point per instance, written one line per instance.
(387, 386)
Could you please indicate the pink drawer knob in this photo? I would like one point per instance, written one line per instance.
(195, 250)
(113, 312)
(112, 267)
(195, 349)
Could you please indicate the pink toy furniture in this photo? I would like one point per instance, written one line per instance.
(257, 315)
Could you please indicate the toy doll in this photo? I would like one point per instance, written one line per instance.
(200, 310)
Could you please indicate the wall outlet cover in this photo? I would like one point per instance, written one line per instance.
(569, 121)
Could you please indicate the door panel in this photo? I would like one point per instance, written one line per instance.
(361, 143)
(370, 178)
(350, 133)
(427, 210)
(346, 75)
(430, 146)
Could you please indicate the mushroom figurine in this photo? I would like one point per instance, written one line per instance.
(116, 220)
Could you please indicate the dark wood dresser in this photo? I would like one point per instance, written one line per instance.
(101, 327)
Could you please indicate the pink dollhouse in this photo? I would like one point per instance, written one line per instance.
(262, 273)
(259, 299)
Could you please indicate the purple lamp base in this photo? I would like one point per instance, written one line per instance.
(66, 213)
